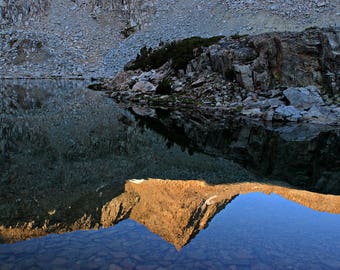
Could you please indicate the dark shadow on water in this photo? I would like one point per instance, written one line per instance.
(303, 155)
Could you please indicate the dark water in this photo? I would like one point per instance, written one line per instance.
(66, 152)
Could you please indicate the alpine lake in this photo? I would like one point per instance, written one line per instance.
(85, 184)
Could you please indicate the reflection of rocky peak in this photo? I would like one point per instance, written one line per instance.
(178, 210)
(175, 210)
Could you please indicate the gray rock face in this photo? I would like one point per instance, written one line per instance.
(244, 76)
(36, 54)
(303, 97)
(287, 113)
(269, 60)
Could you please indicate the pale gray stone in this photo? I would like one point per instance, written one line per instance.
(144, 86)
(303, 97)
(288, 113)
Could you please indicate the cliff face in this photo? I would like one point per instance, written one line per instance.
(137, 12)
(281, 59)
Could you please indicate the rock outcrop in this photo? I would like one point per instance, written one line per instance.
(289, 76)
(270, 60)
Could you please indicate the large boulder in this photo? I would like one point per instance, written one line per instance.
(303, 97)
(144, 87)
(287, 113)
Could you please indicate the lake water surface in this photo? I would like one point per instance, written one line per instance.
(66, 154)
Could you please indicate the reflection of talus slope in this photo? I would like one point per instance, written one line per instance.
(178, 210)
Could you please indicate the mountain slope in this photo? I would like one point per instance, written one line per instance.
(83, 37)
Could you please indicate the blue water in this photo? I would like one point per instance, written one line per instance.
(254, 231)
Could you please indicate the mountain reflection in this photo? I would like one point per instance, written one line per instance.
(176, 210)
(65, 153)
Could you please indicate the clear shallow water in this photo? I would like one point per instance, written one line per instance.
(65, 153)
(254, 231)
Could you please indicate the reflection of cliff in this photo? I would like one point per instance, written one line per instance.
(178, 210)
(306, 156)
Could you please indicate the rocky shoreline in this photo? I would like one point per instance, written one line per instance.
(272, 77)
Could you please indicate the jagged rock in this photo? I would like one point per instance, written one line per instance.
(272, 103)
(303, 97)
(321, 115)
(314, 112)
(244, 76)
(306, 58)
(247, 75)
